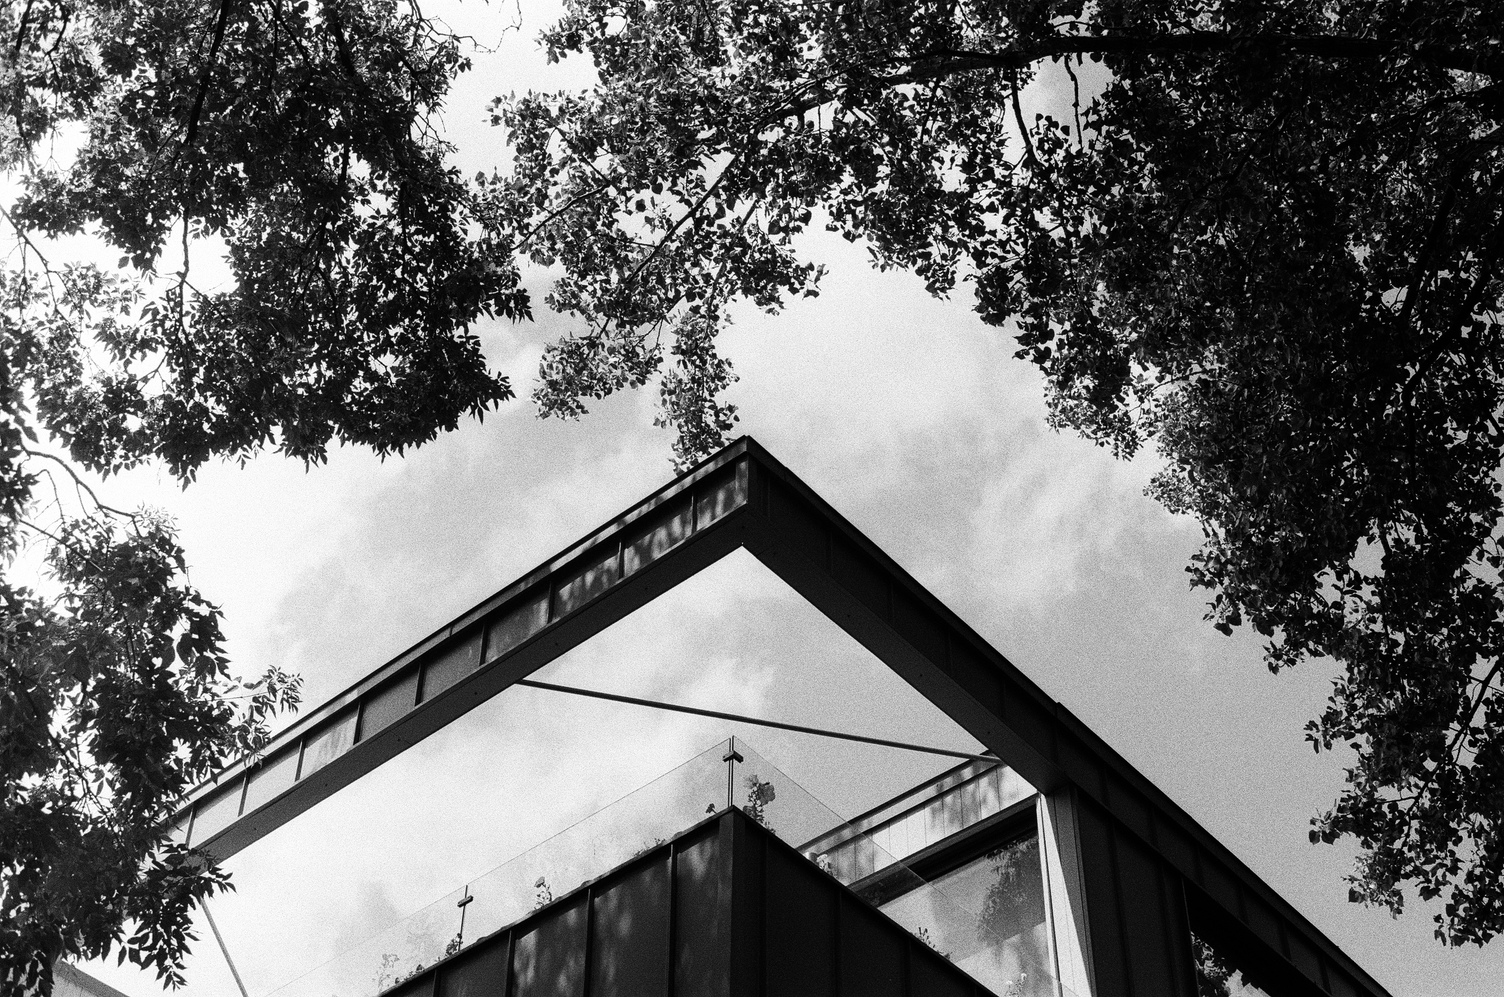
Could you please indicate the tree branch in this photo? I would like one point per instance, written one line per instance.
(1433, 241)
(949, 62)
(1023, 129)
(79, 483)
(1462, 729)
(203, 83)
(691, 213)
(1340, 47)
(21, 29)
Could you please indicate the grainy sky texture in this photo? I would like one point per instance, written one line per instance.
(913, 420)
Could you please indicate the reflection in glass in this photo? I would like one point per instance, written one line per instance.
(589, 581)
(1217, 975)
(217, 812)
(517, 624)
(658, 538)
(275, 775)
(1003, 941)
(328, 744)
(729, 493)
(976, 792)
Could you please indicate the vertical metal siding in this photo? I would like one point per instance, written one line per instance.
(629, 933)
(799, 948)
(725, 910)
(700, 929)
(1139, 928)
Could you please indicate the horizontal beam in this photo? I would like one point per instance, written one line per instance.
(640, 554)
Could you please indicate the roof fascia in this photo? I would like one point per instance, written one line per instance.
(684, 527)
(834, 566)
(744, 497)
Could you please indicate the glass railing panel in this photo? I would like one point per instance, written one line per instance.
(915, 824)
(608, 838)
(988, 917)
(997, 934)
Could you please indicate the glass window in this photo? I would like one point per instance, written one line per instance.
(450, 665)
(588, 581)
(274, 775)
(386, 706)
(1217, 975)
(988, 917)
(883, 839)
(1011, 786)
(517, 624)
(217, 812)
(721, 496)
(664, 534)
(328, 744)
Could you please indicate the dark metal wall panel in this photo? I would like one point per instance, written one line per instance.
(831, 940)
(629, 936)
(548, 957)
(481, 971)
(420, 987)
(658, 926)
(1104, 901)
(742, 882)
(872, 953)
(926, 979)
(799, 935)
(1266, 965)
(724, 910)
(1153, 921)
(701, 927)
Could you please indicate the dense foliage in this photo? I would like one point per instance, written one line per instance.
(1263, 237)
(287, 149)
(115, 699)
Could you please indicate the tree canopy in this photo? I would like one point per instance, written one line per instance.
(292, 146)
(1263, 239)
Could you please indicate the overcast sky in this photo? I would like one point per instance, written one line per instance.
(913, 420)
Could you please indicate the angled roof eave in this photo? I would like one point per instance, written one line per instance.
(743, 497)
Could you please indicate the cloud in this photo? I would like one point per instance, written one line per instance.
(888, 400)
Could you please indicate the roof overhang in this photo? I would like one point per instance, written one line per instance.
(741, 497)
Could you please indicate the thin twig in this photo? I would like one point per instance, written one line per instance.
(79, 482)
(596, 192)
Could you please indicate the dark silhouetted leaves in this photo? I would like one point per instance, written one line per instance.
(292, 147)
(1263, 238)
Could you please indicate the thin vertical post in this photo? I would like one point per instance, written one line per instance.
(731, 758)
(464, 905)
